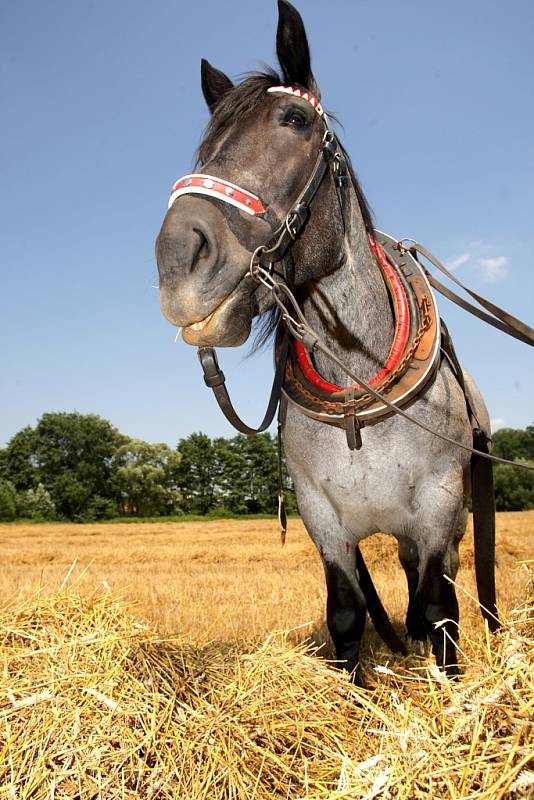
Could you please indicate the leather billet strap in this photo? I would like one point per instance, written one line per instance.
(288, 231)
(214, 379)
(497, 317)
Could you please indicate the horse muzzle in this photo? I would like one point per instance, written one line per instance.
(205, 288)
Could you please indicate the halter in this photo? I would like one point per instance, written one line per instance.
(288, 230)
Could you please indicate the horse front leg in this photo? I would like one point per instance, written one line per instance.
(436, 601)
(428, 550)
(345, 604)
(345, 613)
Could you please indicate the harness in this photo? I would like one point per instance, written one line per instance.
(412, 362)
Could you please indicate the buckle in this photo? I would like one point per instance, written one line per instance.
(296, 219)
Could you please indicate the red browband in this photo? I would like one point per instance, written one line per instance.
(402, 328)
(299, 93)
(218, 188)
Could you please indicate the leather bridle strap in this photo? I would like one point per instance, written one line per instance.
(497, 317)
(214, 379)
(284, 236)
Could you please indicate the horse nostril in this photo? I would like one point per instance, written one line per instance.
(201, 246)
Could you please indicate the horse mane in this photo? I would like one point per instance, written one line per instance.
(236, 104)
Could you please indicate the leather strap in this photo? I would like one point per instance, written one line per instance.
(296, 218)
(483, 499)
(214, 379)
(352, 423)
(505, 322)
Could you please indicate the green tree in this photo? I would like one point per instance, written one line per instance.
(72, 455)
(18, 462)
(8, 501)
(36, 504)
(198, 473)
(249, 473)
(514, 443)
(230, 475)
(514, 488)
(147, 478)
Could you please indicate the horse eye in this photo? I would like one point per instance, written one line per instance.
(296, 118)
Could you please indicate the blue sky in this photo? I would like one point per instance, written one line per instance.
(102, 111)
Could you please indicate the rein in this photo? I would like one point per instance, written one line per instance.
(497, 317)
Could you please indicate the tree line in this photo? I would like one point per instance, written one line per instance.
(79, 467)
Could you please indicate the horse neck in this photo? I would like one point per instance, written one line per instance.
(350, 308)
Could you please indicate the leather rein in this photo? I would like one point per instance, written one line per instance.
(330, 156)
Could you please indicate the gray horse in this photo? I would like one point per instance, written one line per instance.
(265, 136)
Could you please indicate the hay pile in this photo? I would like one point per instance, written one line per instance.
(94, 704)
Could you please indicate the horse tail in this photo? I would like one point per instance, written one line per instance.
(376, 610)
(483, 499)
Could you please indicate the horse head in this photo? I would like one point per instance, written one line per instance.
(261, 144)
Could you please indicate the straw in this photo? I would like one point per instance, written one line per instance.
(95, 704)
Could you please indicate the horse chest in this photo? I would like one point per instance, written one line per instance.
(366, 491)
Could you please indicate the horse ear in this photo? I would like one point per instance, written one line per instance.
(215, 84)
(292, 48)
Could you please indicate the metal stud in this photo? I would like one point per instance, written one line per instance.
(187, 181)
(208, 183)
(248, 201)
(229, 191)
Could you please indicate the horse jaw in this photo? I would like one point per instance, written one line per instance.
(227, 326)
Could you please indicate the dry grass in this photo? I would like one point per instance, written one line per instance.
(226, 579)
(95, 703)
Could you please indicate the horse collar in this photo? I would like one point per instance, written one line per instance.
(402, 328)
(411, 363)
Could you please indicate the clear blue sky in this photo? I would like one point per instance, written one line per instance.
(101, 112)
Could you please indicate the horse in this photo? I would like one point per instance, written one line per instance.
(270, 135)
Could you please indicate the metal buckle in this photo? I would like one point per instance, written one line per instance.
(399, 245)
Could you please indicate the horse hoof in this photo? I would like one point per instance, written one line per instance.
(452, 671)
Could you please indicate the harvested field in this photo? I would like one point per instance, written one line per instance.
(180, 661)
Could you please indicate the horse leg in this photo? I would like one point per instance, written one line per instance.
(345, 605)
(436, 601)
(416, 626)
(345, 615)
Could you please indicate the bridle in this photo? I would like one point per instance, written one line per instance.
(279, 246)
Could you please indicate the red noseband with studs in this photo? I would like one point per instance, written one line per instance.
(218, 188)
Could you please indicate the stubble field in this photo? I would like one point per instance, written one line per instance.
(229, 579)
(187, 660)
